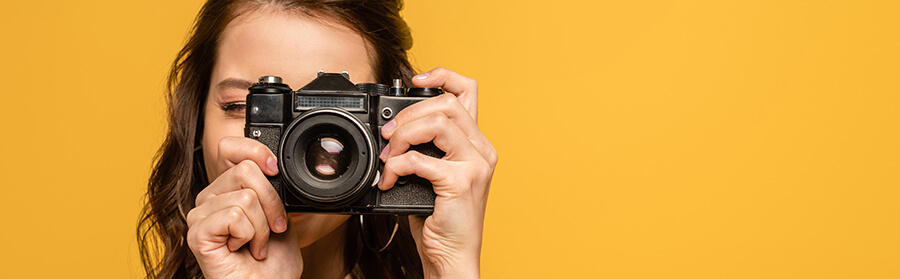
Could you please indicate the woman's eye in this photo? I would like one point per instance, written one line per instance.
(235, 108)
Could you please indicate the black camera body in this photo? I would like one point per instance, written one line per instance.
(327, 137)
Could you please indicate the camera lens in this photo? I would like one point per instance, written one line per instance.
(326, 158)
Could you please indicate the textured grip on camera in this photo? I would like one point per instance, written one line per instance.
(270, 137)
(416, 190)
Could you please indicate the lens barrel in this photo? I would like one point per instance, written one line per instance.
(328, 156)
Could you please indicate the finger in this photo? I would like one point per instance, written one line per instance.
(463, 87)
(227, 228)
(247, 175)
(247, 201)
(233, 150)
(449, 105)
(413, 162)
(435, 128)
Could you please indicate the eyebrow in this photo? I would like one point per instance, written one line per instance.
(235, 83)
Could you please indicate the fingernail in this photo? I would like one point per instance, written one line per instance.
(272, 164)
(389, 127)
(380, 180)
(280, 225)
(421, 76)
(264, 252)
(385, 152)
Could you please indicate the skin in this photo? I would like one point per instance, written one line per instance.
(239, 228)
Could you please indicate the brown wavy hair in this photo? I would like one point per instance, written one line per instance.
(178, 171)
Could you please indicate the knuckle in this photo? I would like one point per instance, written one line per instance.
(439, 70)
(471, 82)
(258, 150)
(234, 213)
(200, 198)
(391, 165)
(224, 143)
(399, 132)
(261, 233)
(415, 158)
(403, 163)
(192, 238)
(493, 157)
(388, 166)
(447, 99)
(244, 170)
(440, 119)
(247, 197)
(191, 217)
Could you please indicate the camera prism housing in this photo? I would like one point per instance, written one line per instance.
(327, 137)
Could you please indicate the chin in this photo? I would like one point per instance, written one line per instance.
(311, 227)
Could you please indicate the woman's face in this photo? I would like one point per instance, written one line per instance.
(294, 47)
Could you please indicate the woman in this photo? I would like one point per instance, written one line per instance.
(211, 211)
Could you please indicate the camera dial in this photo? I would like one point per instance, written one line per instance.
(269, 79)
(424, 92)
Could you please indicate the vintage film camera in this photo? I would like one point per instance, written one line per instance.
(327, 137)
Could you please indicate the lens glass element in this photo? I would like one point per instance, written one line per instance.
(326, 158)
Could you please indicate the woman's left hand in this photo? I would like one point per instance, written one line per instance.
(449, 241)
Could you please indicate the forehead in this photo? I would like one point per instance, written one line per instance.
(291, 45)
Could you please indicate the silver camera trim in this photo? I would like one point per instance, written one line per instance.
(390, 113)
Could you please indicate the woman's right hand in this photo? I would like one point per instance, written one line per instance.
(242, 207)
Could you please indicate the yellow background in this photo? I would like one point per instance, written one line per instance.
(638, 139)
